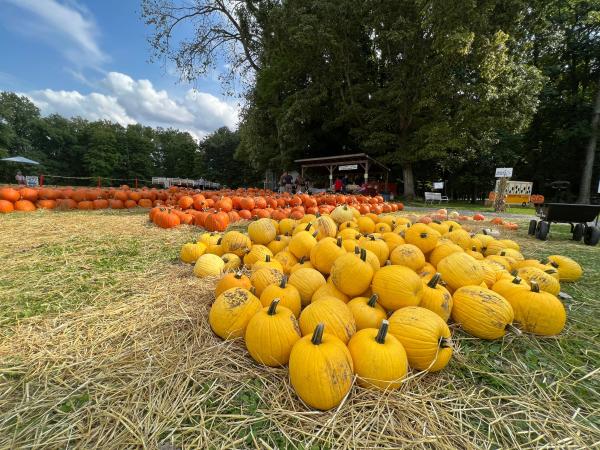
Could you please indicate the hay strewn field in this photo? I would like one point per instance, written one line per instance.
(104, 342)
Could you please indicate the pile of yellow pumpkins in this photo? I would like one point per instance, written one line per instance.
(346, 294)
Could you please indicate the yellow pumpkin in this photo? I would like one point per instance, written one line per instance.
(512, 254)
(425, 337)
(303, 263)
(271, 333)
(474, 253)
(209, 238)
(326, 227)
(529, 263)
(262, 231)
(365, 225)
(301, 244)
(545, 281)
(460, 269)
(538, 312)
(325, 253)
(367, 312)
(215, 248)
(352, 274)
(287, 294)
(348, 233)
(342, 213)
(287, 260)
(349, 225)
(383, 227)
(191, 251)
(278, 244)
(377, 246)
(379, 358)
(392, 240)
(460, 237)
(503, 261)
(257, 253)
(408, 255)
(264, 277)
(333, 313)
(269, 263)
(232, 310)
(508, 286)
(493, 247)
(436, 298)
(308, 218)
(231, 280)
(236, 243)
(422, 236)
(286, 226)
(321, 369)
(443, 250)
(329, 290)
(439, 227)
(397, 287)
(232, 262)
(208, 265)
(508, 243)
(307, 281)
(481, 312)
(485, 239)
(568, 269)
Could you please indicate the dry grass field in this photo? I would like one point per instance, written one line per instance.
(105, 343)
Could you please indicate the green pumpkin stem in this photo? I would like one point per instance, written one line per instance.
(534, 286)
(554, 264)
(445, 342)
(302, 260)
(315, 234)
(283, 282)
(317, 336)
(273, 307)
(383, 329)
(434, 280)
(514, 273)
(373, 300)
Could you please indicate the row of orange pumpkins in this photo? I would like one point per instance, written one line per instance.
(347, 294)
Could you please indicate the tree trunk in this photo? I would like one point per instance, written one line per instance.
(409, 182)
(586, 177)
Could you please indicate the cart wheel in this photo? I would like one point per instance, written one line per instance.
(532, 227)
(542, 230)
(578, 231)
(591, 235)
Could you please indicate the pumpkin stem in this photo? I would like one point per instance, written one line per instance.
(308, 225)
(219, 241)
(484, 231)
(339, 242)
(554, 264)
(445, 342)
(423, 235)
(383, 329)
(473, 249)
(516, 280)
(356, 250)
(534, 286)
(315, 234)
(238, 274)
(502, 253)
(450, 228)
(302, 260)
(273, 307)
(283, 282)
(317, 336)
(267, 258)
(363, 254)
(514, 273)
(434, 280)
(511, 327)
(373, 300)
(277, 238)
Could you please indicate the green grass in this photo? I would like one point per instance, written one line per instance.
(105, 339)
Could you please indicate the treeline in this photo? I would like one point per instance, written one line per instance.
(75, 147)
(437, 90)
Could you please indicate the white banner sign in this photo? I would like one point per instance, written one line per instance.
(32, 181)
(438, 185)
(349, 167)
(504, 172)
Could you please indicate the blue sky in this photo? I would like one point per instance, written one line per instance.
(90, 59)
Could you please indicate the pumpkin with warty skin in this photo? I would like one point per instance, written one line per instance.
(325, 253)
(538, 312)
(425, 337)
(481, 312)
(329, 290)
(377, 246)
(367, 312)
(351, 273)
(271, 334)
(287, 294)
(208, 265)
(262, 231)
(422, 236)
(545, 281)
(231, 311)
(307, 281)
(460, 269)
(257, 253)
(301, 244)
(321, 369)
(379, 358)
(265, 277)
(232, 262)
(332, 312)
(191, 251)
(568, 269)
(397, 287)
(436, 298)
(408, 255)
(231, 280)
(236, 243)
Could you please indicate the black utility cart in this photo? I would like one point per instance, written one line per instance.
(579, 216)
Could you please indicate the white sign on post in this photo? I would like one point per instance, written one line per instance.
(348, 167)
(504, 172)
(438, 185)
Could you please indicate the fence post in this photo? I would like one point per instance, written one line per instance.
(136, 183)
(41, 179)
(99, 183)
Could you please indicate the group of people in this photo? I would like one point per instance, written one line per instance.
(287, 183)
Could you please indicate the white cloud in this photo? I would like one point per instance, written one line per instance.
(67, 26)
(125, 100)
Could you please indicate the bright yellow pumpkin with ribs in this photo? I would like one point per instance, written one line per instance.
(460, 269)
(332, 312)
(262, 231)
(568, 269)
(232, 310)
(352, 274)
(397, 287)
(325, 252)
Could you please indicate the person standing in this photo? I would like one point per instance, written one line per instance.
(339, 185)
(299, 183)
(286, 181)
(20, 178)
